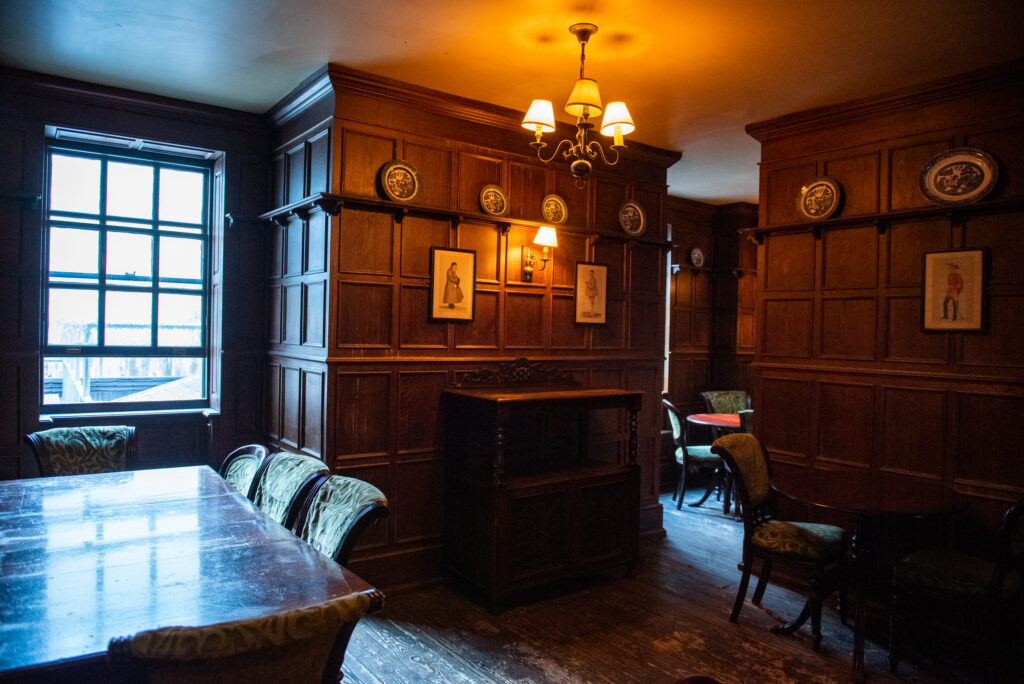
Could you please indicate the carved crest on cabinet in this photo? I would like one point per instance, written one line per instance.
(521, 371)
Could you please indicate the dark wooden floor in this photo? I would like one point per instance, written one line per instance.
(667, 621)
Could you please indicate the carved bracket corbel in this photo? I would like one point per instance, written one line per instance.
(752, 234)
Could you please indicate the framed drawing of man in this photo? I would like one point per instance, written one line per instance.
(953, 288)
(452, 284)
(591, 293)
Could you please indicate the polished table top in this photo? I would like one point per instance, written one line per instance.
(722, 420)
(89, 557)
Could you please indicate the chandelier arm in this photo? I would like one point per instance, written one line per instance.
(594, 149)
(554, 152)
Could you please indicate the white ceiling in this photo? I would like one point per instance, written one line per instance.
(693, 72)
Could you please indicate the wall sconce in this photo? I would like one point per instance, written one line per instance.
(546, 238)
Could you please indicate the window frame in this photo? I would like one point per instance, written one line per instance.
(106, 154)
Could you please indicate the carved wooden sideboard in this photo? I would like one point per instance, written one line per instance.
(528, 506)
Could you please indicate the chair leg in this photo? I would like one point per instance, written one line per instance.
(682, 486)
(707, 492)
(895, 626)
(679, 484)
(762, 582)
(741, 593)
(816, 623)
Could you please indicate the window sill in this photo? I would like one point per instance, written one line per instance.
(102, 415)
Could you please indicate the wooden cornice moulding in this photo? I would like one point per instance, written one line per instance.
(1007, 75)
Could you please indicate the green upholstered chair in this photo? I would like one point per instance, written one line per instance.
(985, 596)
(817, 547)
(336, 513)
(83, 450)
(691, 458)
(282, 483)
(303, 645)
(726, 401)
(240, 466)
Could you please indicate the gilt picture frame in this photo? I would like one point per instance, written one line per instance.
(590, 296)
(953, 292)
(452, 284)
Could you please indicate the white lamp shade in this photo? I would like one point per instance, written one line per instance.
(546, 237)
(617, 115)
(540, 114)
(585, 98)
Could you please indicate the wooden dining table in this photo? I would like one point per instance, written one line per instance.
(89, 557)
(871, 498)
(727, 421)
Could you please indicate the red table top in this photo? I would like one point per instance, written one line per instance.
(724, 420)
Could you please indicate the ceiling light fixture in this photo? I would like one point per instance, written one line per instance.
(584, 103)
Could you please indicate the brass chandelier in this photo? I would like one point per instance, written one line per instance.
(584, 103)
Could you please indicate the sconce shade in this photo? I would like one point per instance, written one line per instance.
(616, 114)
(540, 114)
(546, 237)
(584, 99)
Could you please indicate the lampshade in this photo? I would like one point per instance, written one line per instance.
(540, 114)
(616, 114)
(546, 237)
(585, 98)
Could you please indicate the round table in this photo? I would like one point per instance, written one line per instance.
(728, 421)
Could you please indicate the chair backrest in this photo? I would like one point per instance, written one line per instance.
(1011, 543)
(83, 450)
(336, 513)
(240, 466)
(283, 482)
(303, 645)
(726, 401)
(751, 471)
(746, 420)
(675, 420)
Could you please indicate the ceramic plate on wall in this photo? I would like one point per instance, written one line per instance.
(493, 200)
(819, 199)
(553, 209)
(959, 176)
(632, 218)
(400, 181)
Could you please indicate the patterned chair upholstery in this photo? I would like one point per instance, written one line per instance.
(984, 595)
(692, 458)
(336, 513)
(303, 645)
(83, 450)
(240, 466)
(283, 482)
(726, 401)
(817, 547)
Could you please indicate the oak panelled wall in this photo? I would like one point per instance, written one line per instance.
(355, 367)
(844, 374)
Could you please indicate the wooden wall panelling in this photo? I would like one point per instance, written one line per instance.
(526, 191)
(845, 418)
(319, 162)
(572, 248)
(477, 169)
(486, 240)
(786, 429)
(436, 168)
(526, 325)
(858, 176)
(780, 192)
(914, 430)
(418, 235)
(989, 436)
(905, 164)
(296, 169)
(482, 332)
(608, 197)
(651, 198)
(578, 201)
(363, 155)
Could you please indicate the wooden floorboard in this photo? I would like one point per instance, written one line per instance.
(668, 620)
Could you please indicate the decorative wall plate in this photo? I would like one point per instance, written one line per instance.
(820, 198)
(400, 181)
(493, 200)
(697, 257)
(553, 209)
(959, 176)
(632, 218)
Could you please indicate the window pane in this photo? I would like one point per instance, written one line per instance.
(122, 379)
(129, 319)
(75, 184)
(129, 190)
(181, 262)
(181, 196)
(72, 317)
(74, 255)
(180, 322)
(129, 259)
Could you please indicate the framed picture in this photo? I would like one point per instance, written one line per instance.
(452, 284)
(953, 284)
(591, 293)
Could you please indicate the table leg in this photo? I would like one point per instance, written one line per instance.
(859, 553)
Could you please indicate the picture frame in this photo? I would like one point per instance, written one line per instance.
(952, 295)
(590, 296)
(452, 284)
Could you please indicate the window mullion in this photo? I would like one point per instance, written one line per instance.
(101, 292)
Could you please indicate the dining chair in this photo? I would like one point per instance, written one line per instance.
(240, 466)
(691, 458)
(984, 596)
(335, 514)
(83, 450)
(302, 645)
(817, 547)
(726, 401)
(282, 483)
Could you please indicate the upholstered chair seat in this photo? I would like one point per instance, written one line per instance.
(241, 465)
(337, 512)
(303, 645)
(801, 540)
(83, 450)
(284, 481)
